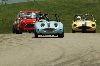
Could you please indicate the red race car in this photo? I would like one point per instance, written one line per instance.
(25, 21)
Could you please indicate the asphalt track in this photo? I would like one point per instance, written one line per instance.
(75, 49)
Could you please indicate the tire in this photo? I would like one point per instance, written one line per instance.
(18, 31)
(29, 31)
(35, 34)
(94, 31)
(73, 31)
(61, 35)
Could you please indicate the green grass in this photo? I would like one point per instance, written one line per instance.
(65, 8)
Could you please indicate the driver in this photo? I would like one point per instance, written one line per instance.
(78, 17)
(22, 15)
(33, 15)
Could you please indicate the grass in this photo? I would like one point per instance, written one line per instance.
(65, 8)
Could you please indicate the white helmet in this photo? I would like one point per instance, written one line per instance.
(79, 17)
(33, 15)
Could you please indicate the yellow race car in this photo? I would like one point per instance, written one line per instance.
(84, 23)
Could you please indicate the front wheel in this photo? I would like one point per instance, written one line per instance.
(18, 31)
(61, 35)
(73, 31)
(35, 34)
(94, 31)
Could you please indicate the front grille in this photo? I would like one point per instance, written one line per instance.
(29, 26)
(48, 29)
(79, 27)
(86, 27)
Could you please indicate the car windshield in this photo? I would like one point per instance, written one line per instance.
(27, 15)
(83, 17)
(88, 17)
(54, 17)
(78, 17)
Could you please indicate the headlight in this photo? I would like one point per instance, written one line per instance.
(42, 25)
(74, 25)
(60, 29)
(93, 25)
(34, 21)
(56, 24)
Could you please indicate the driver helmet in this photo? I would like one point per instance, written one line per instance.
(78, 17)
(33, 15)
(22, 15)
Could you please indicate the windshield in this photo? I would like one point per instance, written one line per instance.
(78, 17)
(83, 17)
(27, 15)
(88, 17)
(53, 17)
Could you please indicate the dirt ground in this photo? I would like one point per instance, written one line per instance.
(78, 49)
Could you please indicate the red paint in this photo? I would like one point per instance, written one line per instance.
(25, 21)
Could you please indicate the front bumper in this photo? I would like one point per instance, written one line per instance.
(84, 28)
(49, 32)
(28, 27)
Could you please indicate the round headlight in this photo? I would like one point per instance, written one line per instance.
(34, 21)
(55, 24)
(93, 25)
(42, 25)
(74, 25)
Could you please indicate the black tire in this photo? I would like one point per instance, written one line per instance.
(29, 31)
(94, 31)
(18, 31)
(35, 34)
(73, 31)
(61, 35)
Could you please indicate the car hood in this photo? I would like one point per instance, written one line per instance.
(28, 21)
(84, 23)
(49, 24)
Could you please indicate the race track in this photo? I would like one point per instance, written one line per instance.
(78, 49)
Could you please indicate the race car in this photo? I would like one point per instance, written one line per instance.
(25, 21)
(49, 26)
(84, 23)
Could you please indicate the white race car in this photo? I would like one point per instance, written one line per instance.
(49, 27)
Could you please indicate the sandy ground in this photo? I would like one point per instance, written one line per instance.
(73, 50)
